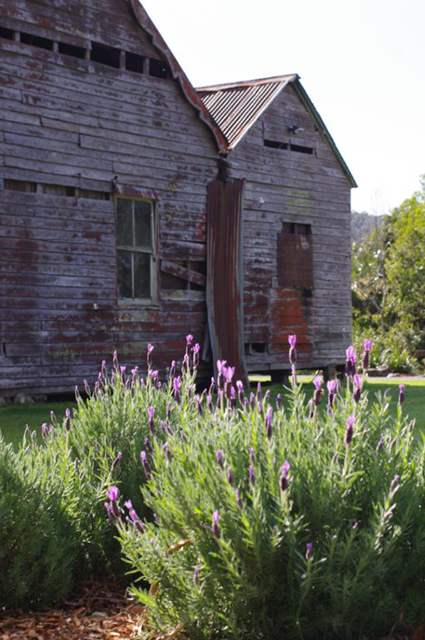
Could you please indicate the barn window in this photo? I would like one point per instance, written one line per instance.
(37, 41)
(158, 69)
(295, 255)
(105, 55)
(136, 249)
(134, 62)
(6, 33)
(71, 50)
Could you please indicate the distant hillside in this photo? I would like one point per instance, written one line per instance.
(362, 224)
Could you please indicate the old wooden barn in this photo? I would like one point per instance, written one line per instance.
(137, 209)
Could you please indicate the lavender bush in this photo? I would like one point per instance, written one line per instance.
(297, 521)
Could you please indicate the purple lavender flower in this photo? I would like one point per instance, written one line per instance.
(199, 404)
(292, 339)
(220, 365)
(317, 381)
(402, 388)
(151, 421)
(230, 476)
(268, 422)
(135, 371)
(196, 576)
(149, 350)
(103, 369)
(283, 480)
(128, 504)
(394, 483)
(331, 385)
(267, 396)
(228, 373)
(309, 550)
(215, 528)
(145, 464)
(86, 386)
(232, 397)
(219, 458)
(260, 409)
(44, 431)
(251, 475)
(189, 339)
(116, 461)
(220, 394)
(67, 419)
(177, 383)
(111, 516)
(115, 359)
(212, 386)
(52, 417)
(148, 445)
(366, 354)
(278, 401)
(168, 453)
(350, 363)
(168, 411)
(195, 351)
(113, 493)
(239, 386)
(357, 387)
(252, 455)
(349, 430)
(259, 392)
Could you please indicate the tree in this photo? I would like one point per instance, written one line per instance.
(388, 282)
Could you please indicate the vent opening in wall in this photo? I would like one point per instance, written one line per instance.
(158, 69)
(295, 256)
(252, 348)
(5, 33)
(71, 50)
(20, 185)
(288, 146)
(134, 62)
(274, 144)
(103, 54)
(37, 41)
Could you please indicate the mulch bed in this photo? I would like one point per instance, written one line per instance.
(102, 612)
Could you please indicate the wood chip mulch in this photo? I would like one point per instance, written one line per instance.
(100, 613)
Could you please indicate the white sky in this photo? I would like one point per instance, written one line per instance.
(362, 64)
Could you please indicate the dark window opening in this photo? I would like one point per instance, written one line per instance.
(55, 190)
(20, 185)
(252, 348)
(259, 347)
(58, 190)
(158, 69)
(274, 144)
(134, 62)
(37, 41)
(103, 54)
(170, 282)
(90, 194)
(6, 33)
(296, 228)
(72, 50)
(301, 149)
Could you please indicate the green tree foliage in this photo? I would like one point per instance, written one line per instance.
(388, 284)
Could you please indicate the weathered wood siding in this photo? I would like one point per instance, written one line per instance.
(68, 122)
(284, 186)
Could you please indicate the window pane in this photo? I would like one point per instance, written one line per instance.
(125, 289)
(124, 223)
(143, 224)
(142, 275)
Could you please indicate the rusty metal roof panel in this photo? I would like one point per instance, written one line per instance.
(235, 107)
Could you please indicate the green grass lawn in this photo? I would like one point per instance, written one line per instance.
(13, 419)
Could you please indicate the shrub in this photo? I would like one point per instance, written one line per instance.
(276, 522)
(37, 537)
(53, 530)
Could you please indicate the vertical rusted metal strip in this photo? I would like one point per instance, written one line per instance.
(224, 274)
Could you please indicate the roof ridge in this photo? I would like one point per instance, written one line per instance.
(245, 83)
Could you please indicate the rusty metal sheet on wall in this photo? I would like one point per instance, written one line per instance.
(294, 260)
(224, 274)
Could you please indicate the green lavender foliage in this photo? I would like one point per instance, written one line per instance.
(54, 530)
(37, 536)
(262, 578)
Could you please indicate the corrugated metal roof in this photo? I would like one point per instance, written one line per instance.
(236, 106)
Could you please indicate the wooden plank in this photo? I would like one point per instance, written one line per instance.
(182, 272)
